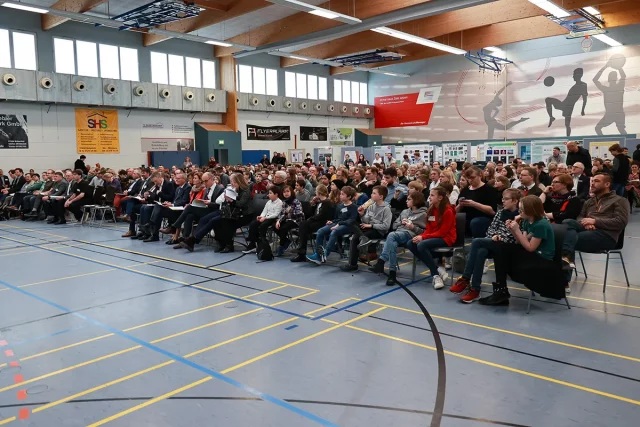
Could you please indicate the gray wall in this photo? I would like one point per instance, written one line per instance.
(30, 22)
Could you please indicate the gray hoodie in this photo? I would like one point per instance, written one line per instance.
(379, 217)
(417, 217)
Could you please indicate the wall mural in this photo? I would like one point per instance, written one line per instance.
(586, 94)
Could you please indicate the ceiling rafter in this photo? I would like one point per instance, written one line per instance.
(207, 18)
(79, 6)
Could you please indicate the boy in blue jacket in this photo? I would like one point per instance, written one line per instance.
(346, 215)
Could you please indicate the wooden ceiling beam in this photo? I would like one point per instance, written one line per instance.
(621, 13)
(303, 23)
(207, 18)
(212, 5)
(49, 21)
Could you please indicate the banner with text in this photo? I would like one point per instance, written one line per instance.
(313, 134)
(168, 144)
(97, 131)
(268, 133)
(13, 131)
(410, 109)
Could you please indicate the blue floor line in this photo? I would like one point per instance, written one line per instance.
(346, 307)
(55, 334)
(210, 291)
(177, 358)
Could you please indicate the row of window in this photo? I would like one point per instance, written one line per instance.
(18, 50)
(95, 60)
(258, 80)
(178, 70)
(350, 92)
(299, 85)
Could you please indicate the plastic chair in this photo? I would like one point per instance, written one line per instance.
(617, 250)
(449, 251)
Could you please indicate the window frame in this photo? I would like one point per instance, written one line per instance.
(55, 56)
(12, 48)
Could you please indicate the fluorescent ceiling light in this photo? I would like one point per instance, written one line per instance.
(493, 49)
(217, 43)
(419, 40)
(592, 10)
(298, 57)
(552, 8)
(318, 11)
(608, 40)
(24, 7)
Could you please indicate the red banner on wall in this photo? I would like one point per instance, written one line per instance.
(401, 111)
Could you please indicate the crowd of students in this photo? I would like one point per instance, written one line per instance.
(508, 211)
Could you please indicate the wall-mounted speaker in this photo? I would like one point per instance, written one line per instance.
(237, 100)
(138, 91)
(211, 97)
(165, 93)
(356, 110)
(9, 79)
(272, 102)
(46, 83)
(288, 104)
(344, 109)
(188, 96)
(80, 86)
(317, 107)
(367, 110)
(331, 108)
(110, 89)
(303, 105)
(255, 101)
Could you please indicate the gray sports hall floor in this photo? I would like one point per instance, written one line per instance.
(96, 329)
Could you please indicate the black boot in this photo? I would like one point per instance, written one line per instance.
(378, 267)
(391, 280)
(299, 258)
(500, 296)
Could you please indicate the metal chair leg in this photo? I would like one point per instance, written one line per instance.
(567, 301)
(413, 272)
(606, 270)
(624, 269)
(529, 302)
(583, 268)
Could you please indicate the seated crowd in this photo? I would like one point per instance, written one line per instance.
(509, 210)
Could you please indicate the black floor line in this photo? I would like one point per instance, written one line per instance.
(221, 279)
(8, 327)
(255, 399)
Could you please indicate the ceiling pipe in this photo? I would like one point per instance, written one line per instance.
(434, 7)
(111, 23)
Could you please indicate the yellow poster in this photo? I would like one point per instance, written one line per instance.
(97, 131)
(600, 149)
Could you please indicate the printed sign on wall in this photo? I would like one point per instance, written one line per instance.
(313, 134)
(409, 109)
(168, 144)
(268, 133)
(341, 136)
(97, 131)
(13, 131)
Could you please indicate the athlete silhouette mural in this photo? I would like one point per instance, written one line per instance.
(492, 109)
(613, 95)
(577, 91)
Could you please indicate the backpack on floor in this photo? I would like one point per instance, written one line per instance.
(264, 252)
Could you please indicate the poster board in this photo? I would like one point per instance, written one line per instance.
(427, 152)
(268, 133)
(500, 151)
(167, 144)
(599, 147)
(341, 136)
(313, 133)
(542, 150)
(97, 131)
(296, 155)
(14, 132)
(455, 152)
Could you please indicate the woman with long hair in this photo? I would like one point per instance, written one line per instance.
(446, 176)
(362, 161)
(488, 174)
(197, 187)
(530, 260)
(560, 201)
(290, 217)
(440, 231)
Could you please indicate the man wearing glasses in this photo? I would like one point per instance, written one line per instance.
(580, 181)
(528, 182)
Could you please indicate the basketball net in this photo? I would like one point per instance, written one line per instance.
(587, 42)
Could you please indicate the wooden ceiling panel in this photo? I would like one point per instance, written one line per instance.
(621, 13)
(79, 6)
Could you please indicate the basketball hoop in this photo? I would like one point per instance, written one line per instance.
(587, 43)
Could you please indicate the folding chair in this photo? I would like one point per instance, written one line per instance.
(617, 250)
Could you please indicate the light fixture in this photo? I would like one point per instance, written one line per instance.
(592, 10)
(318, 11)
(298, 58)
(608, 40)
(217, 43)
(24, 7)
(552, 8)
(496, 51)
(419, 40)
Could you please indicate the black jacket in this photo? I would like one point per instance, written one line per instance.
(325, 211)
(165, 193)
(181, 196)
(621, 169)
(59, 188)
(563, 207)
(79, 164)
(583, 156)
(17, 185)
(584, 182)
(4, 181)
(135, 189)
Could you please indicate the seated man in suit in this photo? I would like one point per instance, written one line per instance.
(31, 204)
(162, 191)
(131, 203)
(78, 194)
(581, 182)
(60, 186)
(192, 213)
(56, 207)
(15, 186)
(180, 198)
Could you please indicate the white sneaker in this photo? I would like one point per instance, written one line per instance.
(567, 289)
(486, 266)
(437, 282)
(443, 273)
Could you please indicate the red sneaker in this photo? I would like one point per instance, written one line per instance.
(460, 286)
(471, 296)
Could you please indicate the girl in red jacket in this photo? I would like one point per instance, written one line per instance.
(440, 232)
